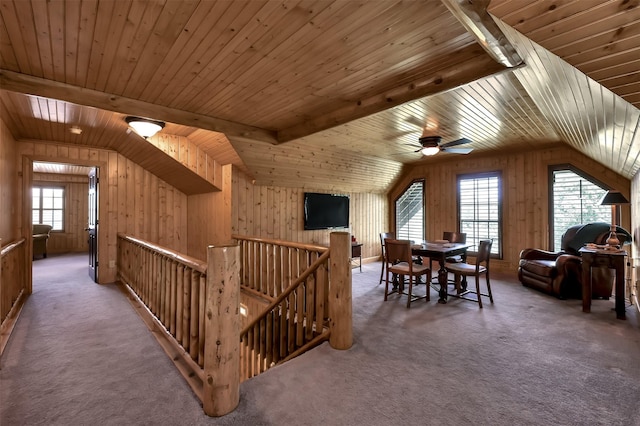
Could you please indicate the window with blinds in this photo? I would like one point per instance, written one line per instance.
(48, 207)
(479, 210)
(574, 200)
(410, 213)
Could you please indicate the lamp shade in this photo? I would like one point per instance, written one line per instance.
(144, 127)
(613, 198)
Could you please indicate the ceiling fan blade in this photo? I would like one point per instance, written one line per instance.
(457, 142)
(456, 150)
(413, 145)
(399, 134)
(415, 121)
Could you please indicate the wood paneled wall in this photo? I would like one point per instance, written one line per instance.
(132, 200)
(189, 155)
(9, 227)
(277, 212)
(210, 217)
(525, 194)
(74, 238)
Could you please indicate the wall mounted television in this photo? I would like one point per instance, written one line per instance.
(325, 211)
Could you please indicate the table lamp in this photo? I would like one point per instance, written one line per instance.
(613, 199)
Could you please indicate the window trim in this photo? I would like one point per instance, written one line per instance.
(495, 173)
(42, 185)
(424, 205)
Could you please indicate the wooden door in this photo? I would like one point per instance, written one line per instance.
(93, 224)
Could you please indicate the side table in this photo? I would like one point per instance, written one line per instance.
(356, 251)
(610, 259)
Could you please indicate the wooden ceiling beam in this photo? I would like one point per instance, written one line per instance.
(473, 15)
(22, 83)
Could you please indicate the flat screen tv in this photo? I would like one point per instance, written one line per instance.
(325, 211)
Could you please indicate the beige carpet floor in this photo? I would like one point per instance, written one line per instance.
(80, 355)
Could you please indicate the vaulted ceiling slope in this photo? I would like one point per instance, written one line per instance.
(325, 94)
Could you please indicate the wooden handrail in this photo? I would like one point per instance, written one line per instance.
(289, 244)
(14, 287)
(11, 246)
(171, 286)
(319, 261)
(313, 305)
(183, 296)
(269, 266)
(181, 299)
(189, 261)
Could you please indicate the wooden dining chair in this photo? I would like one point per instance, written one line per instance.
(400, 262)
(455, 237)
(384, 236)
(465, 269)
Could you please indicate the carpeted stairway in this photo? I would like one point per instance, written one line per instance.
(80, 355)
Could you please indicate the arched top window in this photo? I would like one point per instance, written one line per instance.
(409, 212)
(574, 198)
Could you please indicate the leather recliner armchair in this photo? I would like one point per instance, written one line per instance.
(560, 273)
(40, 238)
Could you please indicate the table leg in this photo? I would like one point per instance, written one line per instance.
(586, 284)
(464, 277)
(620, 311)
(396, 283)
(418, 261)
(442, 280)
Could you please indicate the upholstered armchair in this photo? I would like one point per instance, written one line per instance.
(560, 273)
(556, 273)
(40, 238)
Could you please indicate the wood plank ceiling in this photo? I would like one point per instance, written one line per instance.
(324, 94)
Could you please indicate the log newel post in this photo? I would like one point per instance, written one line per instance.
(340, 308)
(222, 331)
(1, 291)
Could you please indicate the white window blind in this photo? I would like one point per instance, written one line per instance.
(479, 209)
(576, 200)
(410, 213)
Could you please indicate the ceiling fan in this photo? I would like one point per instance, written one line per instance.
(432, 144)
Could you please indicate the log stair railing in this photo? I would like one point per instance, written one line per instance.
(194, 307)
(295, 277)
(168, 291)
(13, 287)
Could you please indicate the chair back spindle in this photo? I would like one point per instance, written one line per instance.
(384, 236)
(464, 269)
(399, 263)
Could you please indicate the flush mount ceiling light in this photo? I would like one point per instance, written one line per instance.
(430, 145)
(75, 130)
(430, 150)
(145, 127)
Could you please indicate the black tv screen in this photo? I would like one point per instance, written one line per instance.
(325, 211)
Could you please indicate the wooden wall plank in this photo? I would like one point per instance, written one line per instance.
(9, 187)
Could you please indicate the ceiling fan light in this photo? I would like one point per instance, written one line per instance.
(430, 150)
(144, 126)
